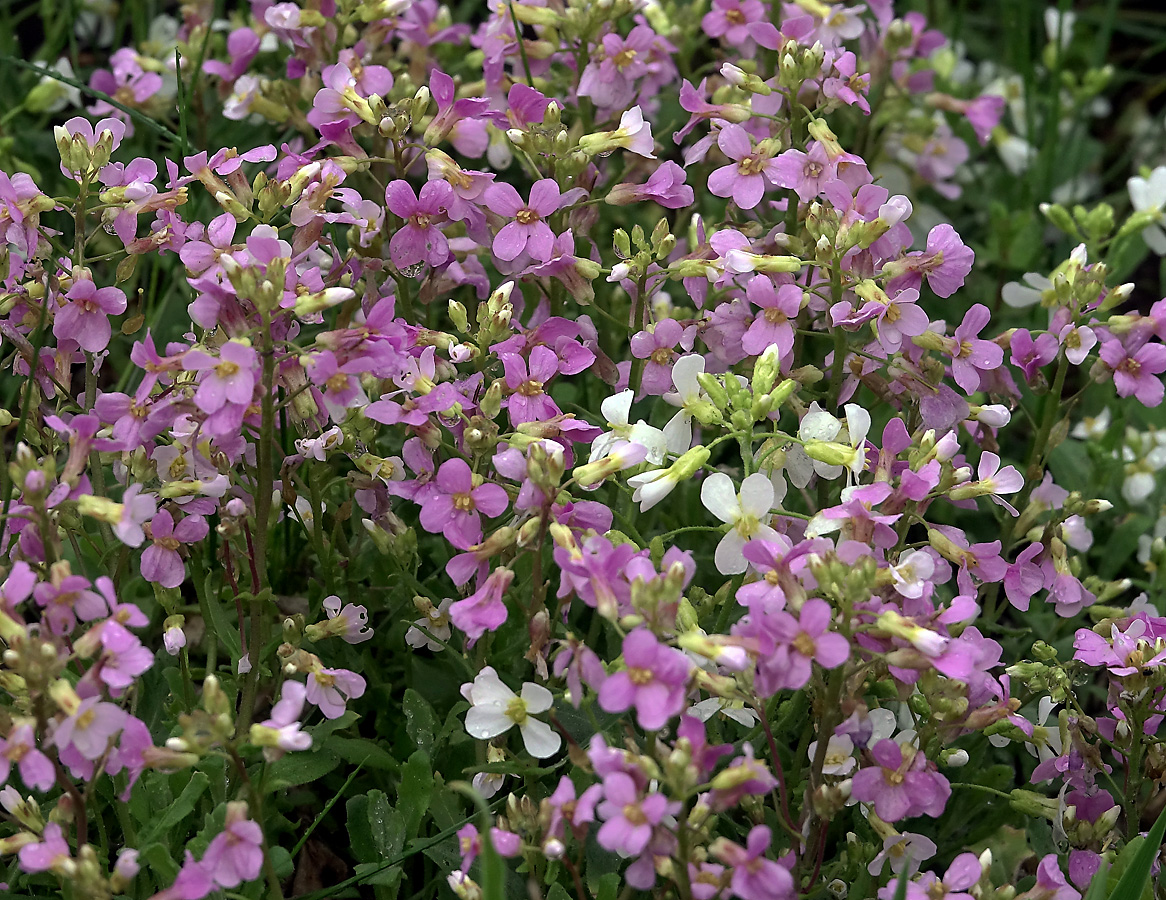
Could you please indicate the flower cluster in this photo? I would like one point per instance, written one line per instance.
(541, 400)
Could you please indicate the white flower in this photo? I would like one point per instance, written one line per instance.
(912, 573)
(635, 134)
(1059, 26)
(615, 411)
(1148, 195)
(305, 513)
(731, 709)
(436, 622)
(688, 393)
(1019, 295)
(839, 759)
(495, 709)
(1093, 427)
(744, 512)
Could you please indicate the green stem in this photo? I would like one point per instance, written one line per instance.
(263, 486)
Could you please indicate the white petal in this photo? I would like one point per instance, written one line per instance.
(882, 725)
(1155, 239)
(720, 498)
(1018, 296)
(488, 688)
(857, 423)
(615, 409)
(757, 494)
(678, 432)
(653, 438)
(818, 425)
(799, 467)
(729, 558)
(538, 698)
(684, 373)
(540, 740)
(485, 722)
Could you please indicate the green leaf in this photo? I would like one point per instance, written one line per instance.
(420, 720)
(558, 892)
(901, 885)
(414, 791)
(225, 629)
(300, 768)
(376, 829)
(608, 887)
(160, 864)
(178, 811)
(1135, 880)
(362, 750)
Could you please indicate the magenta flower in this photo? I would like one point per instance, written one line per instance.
(330, 688)
(235, 854)
(610, 81)
(629, 817)
(806, 174)
(454, 504)
(85, 318)
(666, 186)
(899, 784)
(46, 854)
(733, 20)
(777, 308)
(483, 610)
(754, 876)
(36, 769)
(421, 239)
(281, 733)
(90, 728)
(529, 232)
(527, 379)
(1030, 355)
(749, 174)
(798, 643)
(654, 681)
(972, 355)
(963, 872)
(161, 562)
(230, 378)
(1136, 373)
(657, 347)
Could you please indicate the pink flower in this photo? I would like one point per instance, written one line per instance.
(654, 681)
(36, 769)
(454, 505)
(161, 562)
(749, 174)
(235, 854)
(527, 378)
(483, 610)
(281, 733)
(420, 240)
(529, 232)
(666, 186)
(733, 20)
(330, 688)
(1030, 355)
(90, 728)
(1136, 373)
(899, 784)
(754, 876)
(629, 817)
(47, 854)
(229, 379)
(85, 318)
(777, 308)
(805, 173)
(796, 644)
(971, 355)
